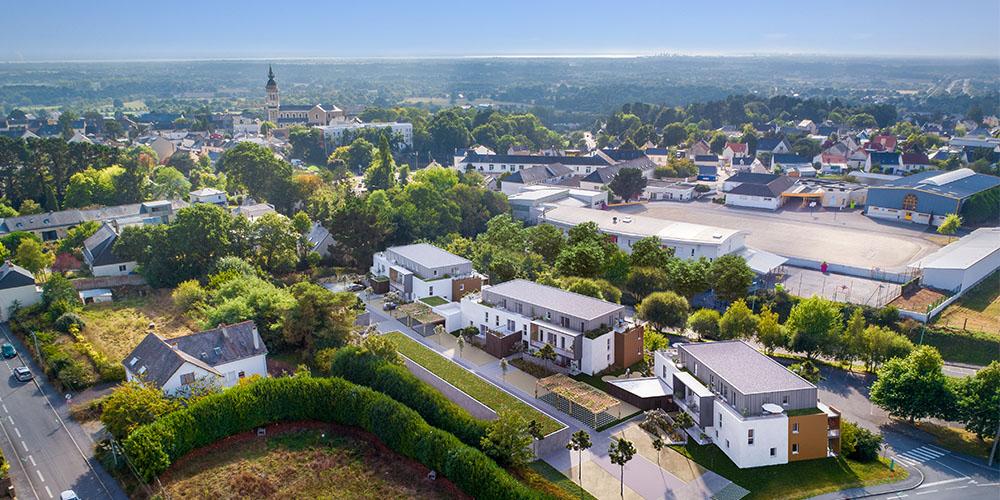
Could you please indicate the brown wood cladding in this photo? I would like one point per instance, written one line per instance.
(462, 286)
(628, 346)
(811, 438)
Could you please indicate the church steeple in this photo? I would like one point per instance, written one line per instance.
(272, 101)
(270, 79)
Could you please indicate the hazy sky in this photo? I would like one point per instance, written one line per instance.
(35, 30)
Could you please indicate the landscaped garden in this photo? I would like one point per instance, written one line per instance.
(434, 301)
(302, 463)
(483, 391)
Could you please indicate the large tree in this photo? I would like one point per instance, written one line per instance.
(688, 277)
(320, 318)
(664, 309)
(914, 387)
(650, 252)
(275, 243)
(770, 333)
(628, 183)
(134, 404)
(738, 322)
(256, 169)
(381, 174)
(730, 277)
(979, 401)
(814, 325)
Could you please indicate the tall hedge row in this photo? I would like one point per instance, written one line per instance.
(153, 447)
(361, 367)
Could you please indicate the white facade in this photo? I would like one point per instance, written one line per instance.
(670, 192)
(119, 269)
(208, 195)
(335, 131)
(732, 434)
(231, 373)
(598, 353)
(22, 296)
(244, 125)
(748, 201)
(964, 263)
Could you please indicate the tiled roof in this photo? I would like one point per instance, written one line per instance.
(14, 276)
(535, 159)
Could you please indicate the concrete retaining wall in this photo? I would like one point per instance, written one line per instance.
(451, 392)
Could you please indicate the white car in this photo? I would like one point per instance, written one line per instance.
(68, 495)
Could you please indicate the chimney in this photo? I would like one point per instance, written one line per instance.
(225, 333)
(256, 339)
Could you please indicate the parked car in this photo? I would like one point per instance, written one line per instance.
(8, 350)
(22, 373)
(355, 287)
(388, 306)
(68, 495)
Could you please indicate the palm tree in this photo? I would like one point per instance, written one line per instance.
(621, 452)
(504, 366)
(460, 342)
(579, 442)
(658, 445)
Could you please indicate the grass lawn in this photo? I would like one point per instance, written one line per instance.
(468, 382)
(116, 328)
(977, 310)
(957, 439)
(301, 464)
(549, 476)
(434, 301)
(793, 480)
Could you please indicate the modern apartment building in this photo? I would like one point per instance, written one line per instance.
(753, 408)
(422, 270)
(588, 334)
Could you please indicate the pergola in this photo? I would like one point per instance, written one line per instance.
(581, 401)
(418, 316)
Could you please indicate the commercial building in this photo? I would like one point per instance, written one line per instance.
(962, 264)
(533, 201)
(334, 132)
(657, 190)
(760, 191)
(423, 270)
(927, 197)
(754, 409)
(587, 334)
(494, 163)
(689, 241)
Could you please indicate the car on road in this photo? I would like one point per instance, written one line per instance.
(68, 495)
(8, 350)
(22, 373)
(388, 306)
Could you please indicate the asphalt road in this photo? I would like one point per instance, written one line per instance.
(48, 452)
(946, 474)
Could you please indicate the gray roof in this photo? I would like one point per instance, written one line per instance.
(73, 217)
(534, 159)
(772, 189)
(605, 175)
(539, 173)
(428, 255)
(98, 249)
(753, 178)
(574, 304)
(961, 183)
(14, 276)
(158, 359)
(742, 367)
(964, 253)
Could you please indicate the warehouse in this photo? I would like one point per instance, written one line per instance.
(927, 197)
(960, 265)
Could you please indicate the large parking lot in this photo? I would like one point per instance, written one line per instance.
(838, 237)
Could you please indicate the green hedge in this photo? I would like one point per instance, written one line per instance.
(959, 347)
(363, 368)
(152, 448)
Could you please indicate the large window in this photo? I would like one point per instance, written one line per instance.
(910, 202)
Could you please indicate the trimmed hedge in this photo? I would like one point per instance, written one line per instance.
(152, 448)
(363, 368)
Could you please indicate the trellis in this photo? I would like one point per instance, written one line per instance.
(581, 401)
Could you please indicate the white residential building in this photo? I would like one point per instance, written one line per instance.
(335, 131)
(423, 270)
(208, 195)
(17, 289)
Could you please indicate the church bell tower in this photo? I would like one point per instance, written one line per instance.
(272, 102)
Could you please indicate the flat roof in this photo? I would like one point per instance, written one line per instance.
(642, 226)
(557, 299)
(761, 262)
(965, 252)
(428, 255)
(744, 368)
(646, 387)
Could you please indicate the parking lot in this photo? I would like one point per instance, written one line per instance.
(837, 287)
(838, 237)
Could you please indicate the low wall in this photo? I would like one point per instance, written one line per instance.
(451, 392)
(108, 282)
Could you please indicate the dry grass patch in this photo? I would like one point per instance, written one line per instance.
(116, 328)
(978, 309)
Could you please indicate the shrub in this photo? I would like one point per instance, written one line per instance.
(188, 294)
(154, 447)
(858, 443)
(806, 370)
(69, 320)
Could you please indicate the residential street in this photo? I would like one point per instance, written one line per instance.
(48, 452)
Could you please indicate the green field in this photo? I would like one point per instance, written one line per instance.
(470, 383)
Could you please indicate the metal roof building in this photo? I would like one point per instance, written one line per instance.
(964, 263)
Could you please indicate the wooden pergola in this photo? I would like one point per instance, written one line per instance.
(577, 395)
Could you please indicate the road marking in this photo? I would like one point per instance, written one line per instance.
(5, 409)
(49, 492)
(40, 475)
(926, 492)
(11, 419)
(957, 487)
(17, 432)
(24, 446)
(946, 481)
(32, 460)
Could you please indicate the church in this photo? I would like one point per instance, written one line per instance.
(297, 114)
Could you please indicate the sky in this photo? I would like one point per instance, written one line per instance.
(54, 30)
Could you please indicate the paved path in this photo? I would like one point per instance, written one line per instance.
(48, 451)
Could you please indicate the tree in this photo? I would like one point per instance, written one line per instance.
(547, 353)
(307, 144)
(381, 174)
(507, 439)
(673, 134)
(705, 322)
(357, 156)
(730, 277)
(658, 445)
(320, 318)
(643, 281)
(649, 252)
(688, 277)
(770, 333)
(978, 400)
(266, 127)
(621, 452)
(950, 225)
(255, 168)
(858, 443)
(628, 183)
(579, 442)
(76, 235)
(546, 240)
(585, 260)
(275, 243)
(738, 322)
(31, 256)
(169, 183)
(814, 324)
(851, 344)
(664, 309)
(133, 404)
(535, 431)
(880, 344)
(914, 387)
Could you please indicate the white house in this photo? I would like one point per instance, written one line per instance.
(220, 357)
(657, 190)
(208, 195)
(423, 270)
(335, 131)
(100, 257)
(17, 289)
(245, 125)
(964, 263)
(765, 193)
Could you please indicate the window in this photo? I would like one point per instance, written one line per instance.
(548, 315)
(720, 420)
(243, 374)
(487, 317)
(910, 202)
(795, 428)
(562, 342)
(795, 448)
(187, 378)
(510, 325)
(121, 268)
(664, 371)
(774, 451)
(430, 290)
(461, 287)
(517, 307)
(749, 436)
(692, 252)
(784, 400)
(435, 272)
(727, 443)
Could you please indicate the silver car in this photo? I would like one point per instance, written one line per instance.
(22, 373)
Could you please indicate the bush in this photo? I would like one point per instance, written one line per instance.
(188, 294)
(69, 320)
(858, 443)
(364, 368)
(806, 370)
(154, 447)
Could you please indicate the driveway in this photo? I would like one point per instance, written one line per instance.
(47, 450)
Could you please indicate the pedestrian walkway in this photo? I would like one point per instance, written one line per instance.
(920, 455)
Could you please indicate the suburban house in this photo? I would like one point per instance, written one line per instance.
(588, 335)
(789, 161)
(927, 197)
(913, 162)
(220, 357)
(734, 150)
(962, 264)
(699, 148)
(689, 241)
(253, 211)
(763, 191)
(17, 289)
(541, 174)
(320, 240)
(581, 165)
(747, 164)
(773, 146)
(100, 257)
(889, 162)
(672, 190)
(533, 201)
(423, 270)
(754, 409)
(660, 156)
(883, 142)
(603, 176)
(51, 226)
(807, 126)
(208, 195)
